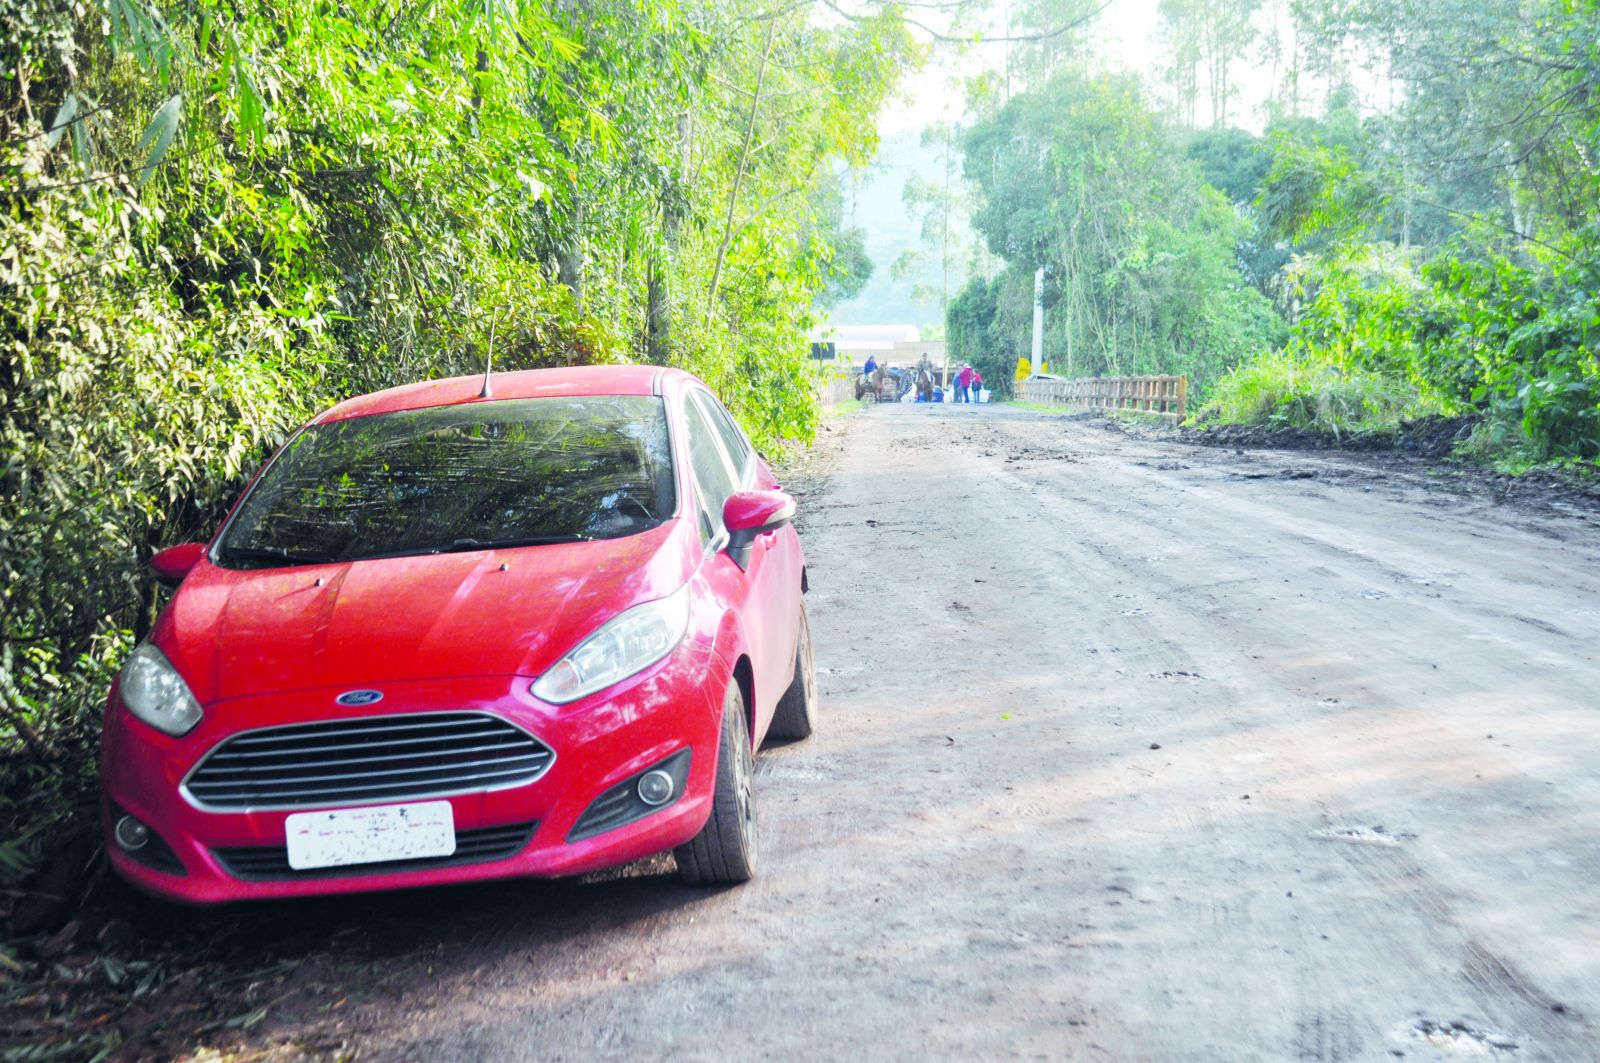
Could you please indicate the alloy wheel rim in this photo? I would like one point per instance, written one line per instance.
(745, 796)
(806, 665)
(810, 675)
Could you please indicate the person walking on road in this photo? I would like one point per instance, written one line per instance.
(975, 385)
(963, 381)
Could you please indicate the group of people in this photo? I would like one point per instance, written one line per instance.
(969, 383)
(965, 386)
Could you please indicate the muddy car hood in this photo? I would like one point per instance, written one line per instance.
(234, 633)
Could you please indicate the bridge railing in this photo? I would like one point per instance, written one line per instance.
(1159, 396)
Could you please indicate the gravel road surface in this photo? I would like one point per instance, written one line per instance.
(1130, 751)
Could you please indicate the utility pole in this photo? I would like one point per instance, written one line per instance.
(944, 253)
(1036, 364)
(944, 244)
(1007, 61)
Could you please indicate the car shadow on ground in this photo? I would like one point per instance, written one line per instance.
(404, 920)
(179, 978)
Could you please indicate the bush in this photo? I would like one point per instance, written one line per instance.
(1384, 335)
(1293, 392)
(1522, 341)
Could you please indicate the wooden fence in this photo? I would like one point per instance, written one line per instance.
(1160, 396)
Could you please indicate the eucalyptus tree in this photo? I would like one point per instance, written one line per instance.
(1505, 89)
(1049, 36)
(1206, 39)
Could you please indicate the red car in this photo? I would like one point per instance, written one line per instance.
(447, 635)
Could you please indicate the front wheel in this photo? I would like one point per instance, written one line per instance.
(724, 852)
(796, 715)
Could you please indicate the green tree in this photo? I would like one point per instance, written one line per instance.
(1082, 178)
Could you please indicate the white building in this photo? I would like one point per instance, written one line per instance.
(891, 344)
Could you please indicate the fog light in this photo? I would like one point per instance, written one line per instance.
(131, 834)
(655, 787)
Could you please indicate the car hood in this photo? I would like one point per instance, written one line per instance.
(235, 633)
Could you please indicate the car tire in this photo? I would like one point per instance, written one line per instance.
(724, 852)
(796, 715)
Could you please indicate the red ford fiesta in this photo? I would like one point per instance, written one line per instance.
(448, 636)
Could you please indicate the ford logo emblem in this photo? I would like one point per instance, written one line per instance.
(359, 697)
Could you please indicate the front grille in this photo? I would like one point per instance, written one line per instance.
(378, 758)
(265, 863)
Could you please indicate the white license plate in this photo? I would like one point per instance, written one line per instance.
(341, 836)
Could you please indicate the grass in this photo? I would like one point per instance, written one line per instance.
(1283, 391)
(1288, 392)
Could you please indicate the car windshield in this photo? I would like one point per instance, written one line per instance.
(516, 472)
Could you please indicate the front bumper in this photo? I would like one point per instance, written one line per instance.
(599, 741)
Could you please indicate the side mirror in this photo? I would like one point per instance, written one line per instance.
(169, 566)
(747, 514)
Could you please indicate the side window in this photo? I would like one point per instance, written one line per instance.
(734, 444)
(713, 480)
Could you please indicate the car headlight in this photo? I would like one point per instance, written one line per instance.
(625, 644)
(154, 691)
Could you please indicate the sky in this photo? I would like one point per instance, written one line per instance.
(1125, 34)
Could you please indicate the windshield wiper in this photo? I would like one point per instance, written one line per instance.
(272, 553)
(461, 546)
(458, 546)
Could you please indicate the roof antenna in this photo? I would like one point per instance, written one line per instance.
(488, 360)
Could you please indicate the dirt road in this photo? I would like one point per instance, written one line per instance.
(1132, 751)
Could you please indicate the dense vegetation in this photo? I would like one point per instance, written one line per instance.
(219, 218)
(1416, 232)
(1079, 175)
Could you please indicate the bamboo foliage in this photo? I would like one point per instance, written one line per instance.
(219, 218)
